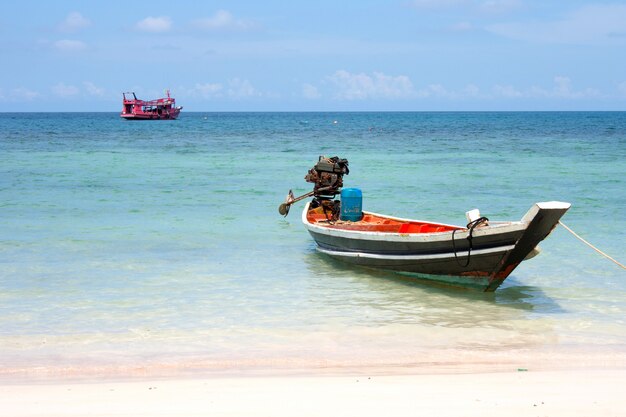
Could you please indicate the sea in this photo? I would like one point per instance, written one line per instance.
(155, 248)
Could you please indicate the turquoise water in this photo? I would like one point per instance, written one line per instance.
(158, 244)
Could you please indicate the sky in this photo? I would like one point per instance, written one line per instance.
(270, 55)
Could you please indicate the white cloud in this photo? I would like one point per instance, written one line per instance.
(562, 89)
(222, 20)
(238, 89)
(594, 24)
(154, 24)
(507, 91)
(235, 89)
(471, 90)
(208, 90)
(563, 86)
(74, 22)
(362, 86)
(25, 94)
(19, 94)
(310, 92)
(69, 45)
(92, 89)
(65, 91)
(437, 91)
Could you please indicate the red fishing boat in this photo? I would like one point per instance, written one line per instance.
(159, 109)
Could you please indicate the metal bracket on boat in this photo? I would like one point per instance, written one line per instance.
(290, 199)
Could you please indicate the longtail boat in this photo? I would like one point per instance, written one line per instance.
(480, 255)
(160, 109)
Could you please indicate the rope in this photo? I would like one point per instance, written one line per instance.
(590, 245)
(471, 225)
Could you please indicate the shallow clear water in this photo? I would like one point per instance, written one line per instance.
(156, 242)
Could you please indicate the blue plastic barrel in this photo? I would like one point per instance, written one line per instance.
(351, 204)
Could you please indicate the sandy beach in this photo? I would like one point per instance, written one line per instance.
(516, 393)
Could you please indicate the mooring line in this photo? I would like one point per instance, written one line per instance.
(590, 245)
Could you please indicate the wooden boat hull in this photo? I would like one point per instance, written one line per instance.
(160, 109)
(442, 253)
(172, 115)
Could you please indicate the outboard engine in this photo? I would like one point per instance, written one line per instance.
(327, 177)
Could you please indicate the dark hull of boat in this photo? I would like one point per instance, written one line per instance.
(444, 268)
(445, 257)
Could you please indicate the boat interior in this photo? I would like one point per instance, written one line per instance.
(375, 223)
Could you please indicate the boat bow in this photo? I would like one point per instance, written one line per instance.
(541, 219)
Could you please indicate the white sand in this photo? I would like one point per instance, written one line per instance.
(527, 393)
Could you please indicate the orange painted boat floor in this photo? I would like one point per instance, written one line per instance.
(374, 223)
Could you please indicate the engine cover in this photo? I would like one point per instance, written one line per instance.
(327, 175)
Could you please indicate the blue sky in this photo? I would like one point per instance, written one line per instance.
(317, 55)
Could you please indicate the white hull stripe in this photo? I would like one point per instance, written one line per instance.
(460, 254)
